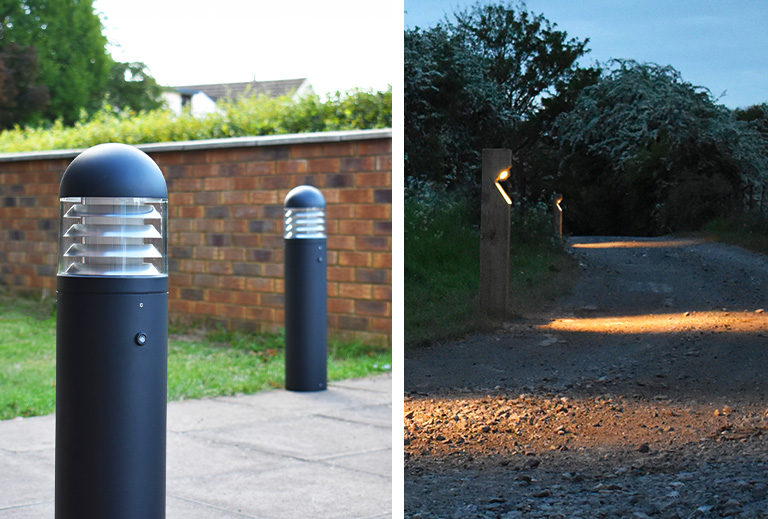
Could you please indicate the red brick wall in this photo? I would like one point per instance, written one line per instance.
(225, 226)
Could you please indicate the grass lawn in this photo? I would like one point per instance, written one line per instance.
(200, 364)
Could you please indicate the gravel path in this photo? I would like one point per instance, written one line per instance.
(642, 394)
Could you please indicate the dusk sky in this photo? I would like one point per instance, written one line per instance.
(722, 46)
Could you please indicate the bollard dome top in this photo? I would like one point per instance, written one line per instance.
(113, 171)
(304, 196)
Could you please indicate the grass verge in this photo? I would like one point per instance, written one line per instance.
(200, 363)
(441, 272)
(748, 230)
(442, 269)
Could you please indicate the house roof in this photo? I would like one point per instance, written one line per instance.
(218, 91)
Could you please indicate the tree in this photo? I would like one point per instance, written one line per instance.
(130, 86)
(645, 152)
(525, 57)
(480, 81)
(446, 100)
(22, 100)
(70, 49)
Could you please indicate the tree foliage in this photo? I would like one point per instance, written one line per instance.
(131, 87)
(480, 81)
(447, 103)
(524, 55)
(67, 35)
(646, 152)
(22, 99)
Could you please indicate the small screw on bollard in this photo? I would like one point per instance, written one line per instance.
(111, 337)
(306, 326)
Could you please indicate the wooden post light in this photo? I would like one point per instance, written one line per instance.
(494, 233)
(557, 215)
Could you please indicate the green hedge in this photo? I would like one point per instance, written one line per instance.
(354, 110)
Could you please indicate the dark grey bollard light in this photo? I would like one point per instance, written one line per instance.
(111, 337)
(306, 326)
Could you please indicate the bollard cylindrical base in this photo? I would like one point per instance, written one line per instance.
(306, 326)
(111, 378)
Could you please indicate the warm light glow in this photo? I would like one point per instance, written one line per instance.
(716, 322)
(503, 175)
(476, 426)
(504, 194)
(640, 244)
(557, 203)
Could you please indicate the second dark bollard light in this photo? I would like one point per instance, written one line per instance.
(306, 328)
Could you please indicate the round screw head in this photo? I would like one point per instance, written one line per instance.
(141, 338)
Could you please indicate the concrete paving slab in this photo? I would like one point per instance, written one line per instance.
(318, 402)
(308, 438)
(372, 462)
(24, 480)
(191, 415)
(382, 385)
(276, 454)
(296, 490)
(188, 456)
(379, 415)
(33, 511)
(178, 508)
(28, 434)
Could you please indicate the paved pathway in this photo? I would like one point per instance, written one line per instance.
(276, 454)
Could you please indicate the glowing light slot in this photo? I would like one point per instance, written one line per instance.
(304, 223)
(113, 237)
(503, 177)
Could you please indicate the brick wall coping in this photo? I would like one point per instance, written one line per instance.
(207, 144)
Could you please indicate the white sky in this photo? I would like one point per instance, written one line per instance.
(337, 44)
(713, 43)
